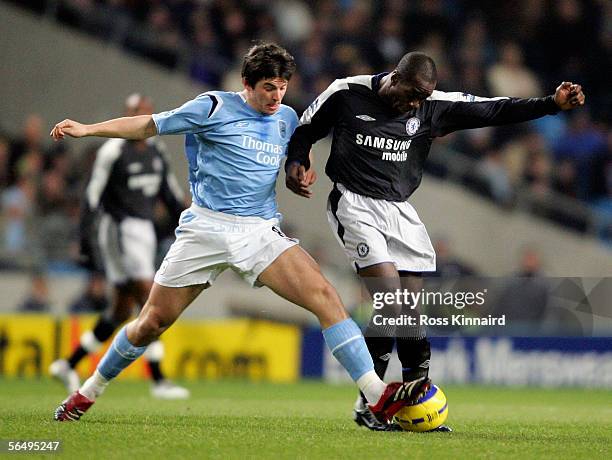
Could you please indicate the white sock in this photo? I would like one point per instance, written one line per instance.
(371, 386)
(94, 386)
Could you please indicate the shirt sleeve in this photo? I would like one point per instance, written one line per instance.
(192, 117)
(316, 123)
(106, 157)
(455, 111)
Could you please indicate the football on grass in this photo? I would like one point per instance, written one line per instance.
(428, 413)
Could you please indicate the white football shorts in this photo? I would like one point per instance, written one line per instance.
(128, 248)
(374, 231)
(209, 242)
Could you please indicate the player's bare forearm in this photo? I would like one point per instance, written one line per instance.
(138, 127)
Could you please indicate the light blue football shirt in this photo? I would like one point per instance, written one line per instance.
(234, 152)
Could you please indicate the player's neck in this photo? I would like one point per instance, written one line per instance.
(384, 85)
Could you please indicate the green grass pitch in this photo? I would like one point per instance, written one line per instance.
(234, 419)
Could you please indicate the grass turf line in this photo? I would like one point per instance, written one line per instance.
(235, 419)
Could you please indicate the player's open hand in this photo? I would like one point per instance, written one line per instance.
(569, 95)
(68, 127)
(299, 180)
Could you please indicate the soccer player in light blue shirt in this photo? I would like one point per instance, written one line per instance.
(235, 144)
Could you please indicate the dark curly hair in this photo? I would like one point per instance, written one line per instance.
(267, 60)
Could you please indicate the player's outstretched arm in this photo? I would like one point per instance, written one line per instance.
(569, 96)
(455, 112)
(139, 127)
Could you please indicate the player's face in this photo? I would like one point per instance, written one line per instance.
(406, 96)
(266, 96)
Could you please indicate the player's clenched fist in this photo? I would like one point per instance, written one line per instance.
(569, 95)
(68, 127)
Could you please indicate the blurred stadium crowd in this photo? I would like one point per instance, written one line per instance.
(558, 167)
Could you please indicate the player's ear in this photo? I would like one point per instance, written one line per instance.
(394, 77)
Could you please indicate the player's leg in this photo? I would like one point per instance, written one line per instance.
(380, 339)
(413, 348)
(164, 306)
(357, 222)
(162, 388)
(295, 276)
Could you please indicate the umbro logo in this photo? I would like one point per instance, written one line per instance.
(365, 117)
(385, 357)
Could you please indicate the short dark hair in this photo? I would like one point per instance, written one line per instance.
(267, 60)
(417, 64)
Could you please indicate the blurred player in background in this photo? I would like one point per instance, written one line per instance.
(128, 179)
(235, 144)
(383, 127)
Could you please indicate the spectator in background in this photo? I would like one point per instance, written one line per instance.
(54, 223)
(582, 145)
(564, 181)
(38, 298)
(160, 40)
(390, 43)
(426, 17)
(207, 63)
(18, 212)
(94, 298)
(30, 143)
(447, 264)
(494, 175)
(293, 19)
(537, 172)
(509, 76)
(524, 299)
(603, 204)
(473, 46)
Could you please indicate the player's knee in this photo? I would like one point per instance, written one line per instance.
(151, 324)
(328, 306)
(325, 294)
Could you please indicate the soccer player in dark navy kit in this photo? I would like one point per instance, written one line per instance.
(127, 180)
(383, 127)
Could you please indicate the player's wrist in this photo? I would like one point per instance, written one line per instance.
(552, 103)
(289, 164)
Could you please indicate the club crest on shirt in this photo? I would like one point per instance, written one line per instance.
(412, 126)
(363, 249)
(282, 128)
